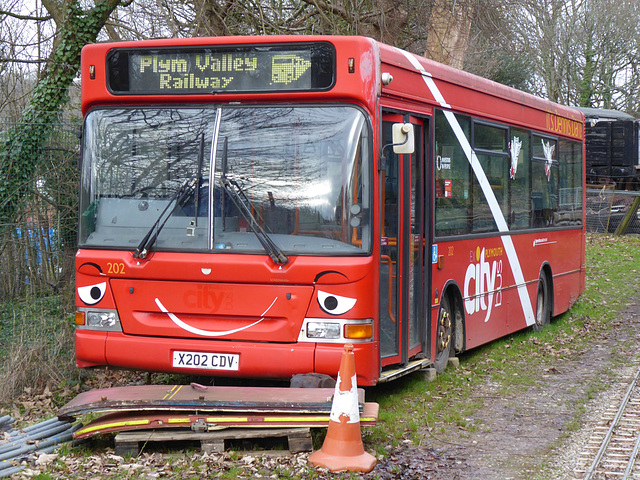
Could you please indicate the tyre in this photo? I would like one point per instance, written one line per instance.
(543, 304)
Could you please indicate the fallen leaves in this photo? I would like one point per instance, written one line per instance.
(45, 459)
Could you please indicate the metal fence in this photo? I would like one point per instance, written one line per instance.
(607, 208)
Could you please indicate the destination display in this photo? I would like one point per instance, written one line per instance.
(220, 69)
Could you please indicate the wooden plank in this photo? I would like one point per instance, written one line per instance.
(626, 221)
(127, 443)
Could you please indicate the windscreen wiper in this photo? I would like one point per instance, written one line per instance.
(239, 199)
(179, 198)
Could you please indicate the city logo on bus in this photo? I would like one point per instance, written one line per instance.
(483, 281)
(207, 298)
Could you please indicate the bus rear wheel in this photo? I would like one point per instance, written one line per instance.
(543, 304)
(444, 335)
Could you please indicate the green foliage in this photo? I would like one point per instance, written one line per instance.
(43, 476)
(21, 152)
(585, 87)
(36, 345)
(23, 318)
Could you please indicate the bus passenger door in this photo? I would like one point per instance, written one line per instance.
(402, 248)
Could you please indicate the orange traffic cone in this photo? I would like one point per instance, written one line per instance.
(342, 448)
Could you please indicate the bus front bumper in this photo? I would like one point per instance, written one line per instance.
(221, 358)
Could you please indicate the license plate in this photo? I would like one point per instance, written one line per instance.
(208, 361)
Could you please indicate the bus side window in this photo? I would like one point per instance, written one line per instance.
(452, 178)
(544, 175)
(570, 192)
(520, 179)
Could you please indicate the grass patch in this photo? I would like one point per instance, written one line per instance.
(36, 346)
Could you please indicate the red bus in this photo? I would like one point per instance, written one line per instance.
(251, 204)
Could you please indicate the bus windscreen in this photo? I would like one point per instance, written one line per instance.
(220, 69)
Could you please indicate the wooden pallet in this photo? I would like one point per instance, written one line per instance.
(128, 443)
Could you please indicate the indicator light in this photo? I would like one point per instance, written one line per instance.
(358, 331)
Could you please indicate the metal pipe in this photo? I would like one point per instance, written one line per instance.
(4, 464)
(46, 446)
(36, 426)
(5, 450)
(36, 431)
(61, 432)
(10, 471)
(63, 437)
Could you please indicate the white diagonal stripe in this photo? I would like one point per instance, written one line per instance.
(494, 206)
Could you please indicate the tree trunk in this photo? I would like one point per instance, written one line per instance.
(449, 27)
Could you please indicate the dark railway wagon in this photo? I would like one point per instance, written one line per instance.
(612, 148)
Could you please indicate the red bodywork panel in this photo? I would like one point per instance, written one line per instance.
(259, 321)
(275, 311)
(162, 420)
(203, 398)
(493, 311)
(361, 86)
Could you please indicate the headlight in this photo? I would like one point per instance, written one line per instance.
(104, 320)
(323, 330)
(101, 319)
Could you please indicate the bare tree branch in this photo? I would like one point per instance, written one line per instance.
(19, 60)
(25, 17)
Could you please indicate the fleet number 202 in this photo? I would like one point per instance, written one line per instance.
(115, 268)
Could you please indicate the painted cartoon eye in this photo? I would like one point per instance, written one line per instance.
(93, 293)
(335, 304)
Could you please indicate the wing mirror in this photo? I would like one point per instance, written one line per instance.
(403, 138)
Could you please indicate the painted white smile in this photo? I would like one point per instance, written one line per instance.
(208, 333)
